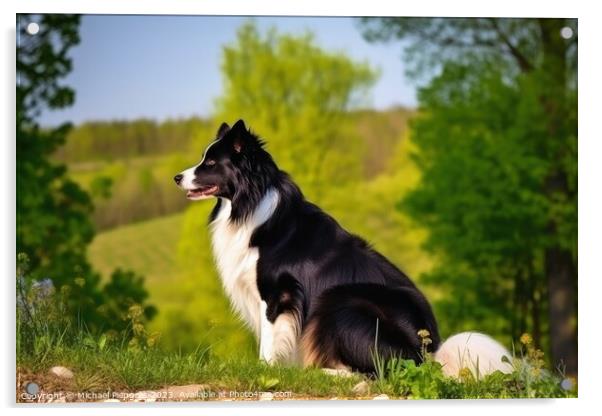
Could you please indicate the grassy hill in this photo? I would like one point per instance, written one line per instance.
(147, 247)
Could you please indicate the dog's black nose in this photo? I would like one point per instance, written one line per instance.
(178, 178)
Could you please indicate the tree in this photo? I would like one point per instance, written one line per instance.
(296, 94)
(53, 213)
(497, 146)
(42, 187)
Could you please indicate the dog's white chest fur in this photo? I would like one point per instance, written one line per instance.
(236, 261)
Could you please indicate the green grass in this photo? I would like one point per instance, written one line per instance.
(148, 247)
(101, 366)
(119, 368)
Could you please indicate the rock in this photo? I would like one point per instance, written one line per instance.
(381, 397)
(146, 396)
(338, 372)
(187, 392)
(266, 396)
(61, 372)
(361, 388)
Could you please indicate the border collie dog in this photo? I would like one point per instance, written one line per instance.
(312, 293)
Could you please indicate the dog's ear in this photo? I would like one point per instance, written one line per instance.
(223, 129)
(240, 135)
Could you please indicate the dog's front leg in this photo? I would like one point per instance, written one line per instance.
(278, 340)
(266, 334)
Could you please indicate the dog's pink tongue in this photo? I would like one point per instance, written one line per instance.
(201, 192)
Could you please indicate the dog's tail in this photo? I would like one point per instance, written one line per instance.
(477, 352)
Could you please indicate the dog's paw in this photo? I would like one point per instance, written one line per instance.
(266, 336)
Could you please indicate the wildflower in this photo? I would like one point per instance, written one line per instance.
(135, 312)
(42, 292)
(22, 264)
(526, 339)
(133, 345)
(465, 374)
(138, 329)
(423, 333)
(568, 383)
(22, 258)
(537, 361)
(153, 339)
(103, 309)
(425, 341)
(43, 288)
(65, 290)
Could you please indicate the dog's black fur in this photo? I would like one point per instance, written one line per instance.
(337, 286)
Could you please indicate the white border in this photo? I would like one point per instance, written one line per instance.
(519, 8)
(590, 209)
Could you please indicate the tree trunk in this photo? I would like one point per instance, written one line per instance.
(563, 328)
(560, 268)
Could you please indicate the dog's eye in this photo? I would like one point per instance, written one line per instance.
(210, 162)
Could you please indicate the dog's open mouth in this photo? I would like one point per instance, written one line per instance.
(202, 192)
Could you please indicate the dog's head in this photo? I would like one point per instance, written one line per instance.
(224, 164)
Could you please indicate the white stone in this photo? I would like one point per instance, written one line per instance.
(61, 372)
(381, 397)
(266, 396)
(339, 372)
(361, 388)
(146, 396)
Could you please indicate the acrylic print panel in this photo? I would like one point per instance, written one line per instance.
(422, 243)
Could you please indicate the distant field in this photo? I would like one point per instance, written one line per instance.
(148, 247)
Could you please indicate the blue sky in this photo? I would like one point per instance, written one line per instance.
(168, 66)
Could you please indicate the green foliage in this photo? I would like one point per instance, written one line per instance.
(45, 319)
(53, 224)
(52, 211)
(497, 149)
(295, 95)
(430, 42)
(124, 165)
(124, 291)
(95, 141)
(483, 199)
(141, 188)
(403, 378)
